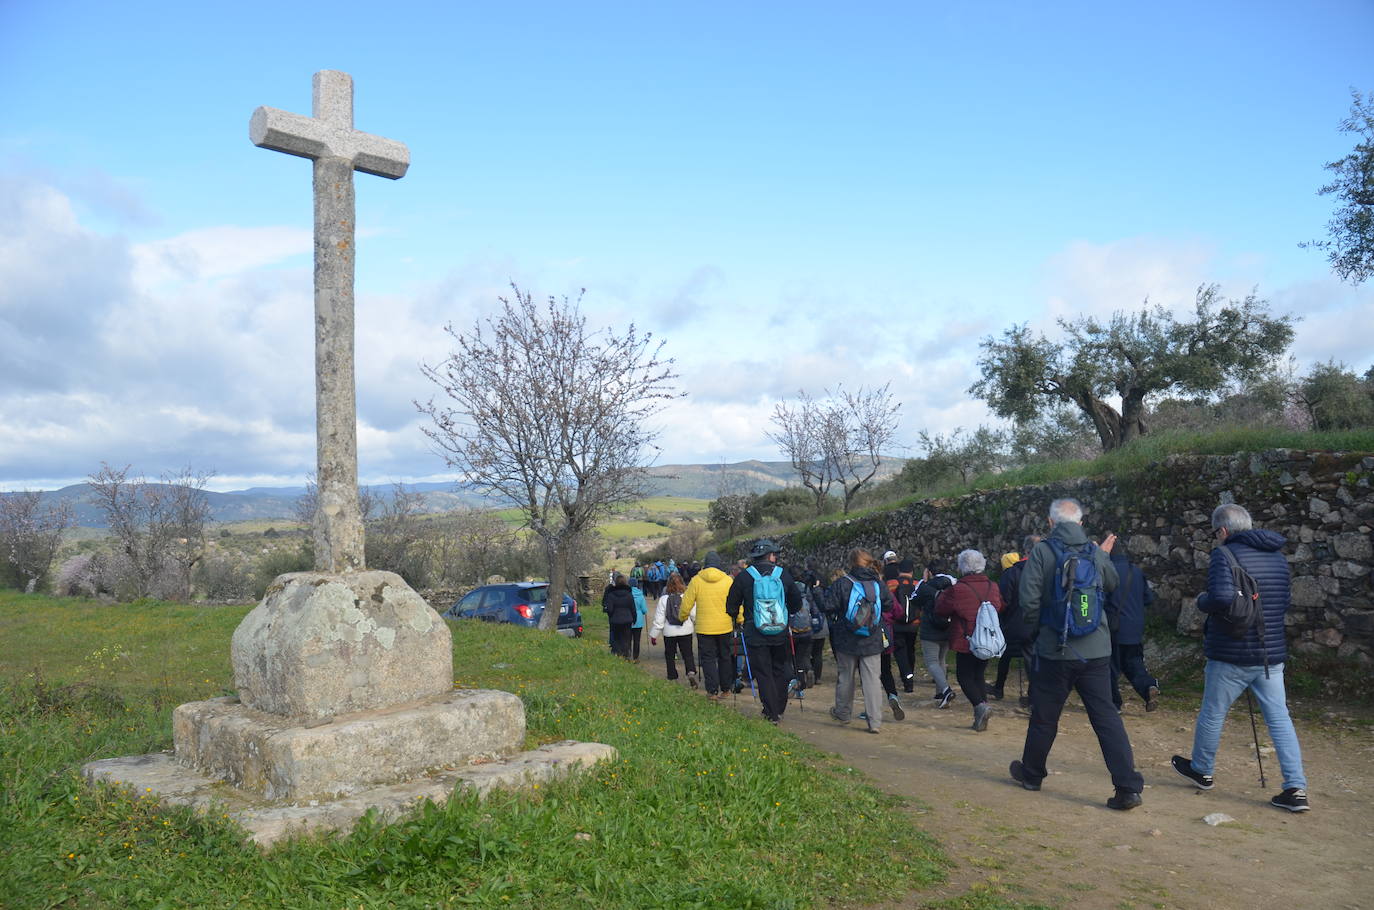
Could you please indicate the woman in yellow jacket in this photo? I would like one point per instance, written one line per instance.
(715, 628)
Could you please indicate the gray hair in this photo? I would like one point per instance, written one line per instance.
(1029, 543)
(971, 561)
(1066, 509)
(1232, 517)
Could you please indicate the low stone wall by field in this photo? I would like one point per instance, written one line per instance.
(1322, 502)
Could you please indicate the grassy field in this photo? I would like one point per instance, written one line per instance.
(703, 809)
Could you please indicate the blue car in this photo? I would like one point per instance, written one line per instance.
(521, 603)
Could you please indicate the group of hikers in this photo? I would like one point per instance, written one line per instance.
(1070, 609)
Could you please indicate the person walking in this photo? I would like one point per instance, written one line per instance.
(675, 630)
(906, 623)
(961, 603)
(768, 654)
(857, 655)
(715, 630)
(1013, 626)
(934, 634)
(637, 627)
(619, 606)
(1126, 606)
(1250, 659)
(1081, 662)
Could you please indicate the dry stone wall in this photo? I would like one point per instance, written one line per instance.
(1322, 502)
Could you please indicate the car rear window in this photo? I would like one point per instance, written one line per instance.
(539, 595)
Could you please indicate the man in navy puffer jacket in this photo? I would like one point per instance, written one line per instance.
(1237, 664)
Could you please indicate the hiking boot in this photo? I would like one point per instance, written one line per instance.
(945, 697)
(836, 715)
(995, 692)
(980, 716)
(1152, 698)
(1024, 702)
(1124, 800)
(738, 687)
(1294, 799)
(692, 678)
(1018, 774)
(1184, 766)
(863, 715)
(896, 706)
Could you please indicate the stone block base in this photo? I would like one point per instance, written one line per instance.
(268, 821)
(283, 759)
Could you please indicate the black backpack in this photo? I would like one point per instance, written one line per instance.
(905, 590)
(1245, 609)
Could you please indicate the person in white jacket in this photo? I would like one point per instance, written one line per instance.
(677, 635)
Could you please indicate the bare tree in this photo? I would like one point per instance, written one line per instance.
(158, 528)
(30, 533)
(837, 439)
(550, 416)
(798, 431)
(734, 508)
(304, 506)
(396, 539)
(471, 545)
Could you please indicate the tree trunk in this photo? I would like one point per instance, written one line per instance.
(558, 571)
(1106, 421)
(1132, 416)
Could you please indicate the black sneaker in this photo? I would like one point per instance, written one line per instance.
(1185, 767)
(995, 692)
(1294, 799)
(980, 716)
(1018, 774)
(836, 715)
(1152, 699)
(896, 706)
(1123, 800)
(946, 697)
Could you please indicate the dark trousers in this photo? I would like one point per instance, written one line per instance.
(817, 652)
(620, 639)
(1050, 686)
(889, 684)
(972, 675)
(635, 636)
(772, 666)
(679, 644)
(904, 649)
(717, 663)
(1130, 661)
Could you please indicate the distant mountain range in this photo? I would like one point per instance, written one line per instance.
(694, 481)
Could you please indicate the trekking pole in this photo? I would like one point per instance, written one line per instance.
(1250, 703)
(747, 669)
(795, 687)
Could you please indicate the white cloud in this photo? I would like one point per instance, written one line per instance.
(214, 253)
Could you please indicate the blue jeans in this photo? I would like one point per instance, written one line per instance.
(1224, 684)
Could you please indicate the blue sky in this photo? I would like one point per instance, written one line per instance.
(791, 195)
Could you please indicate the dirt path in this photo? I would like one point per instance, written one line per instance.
(1064, 848)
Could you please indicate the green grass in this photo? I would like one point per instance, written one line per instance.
(675, 504)
(615, 531)
(704, 808)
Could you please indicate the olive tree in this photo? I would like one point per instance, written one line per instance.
(1350, 232)
(1132, 358)
(552, 416)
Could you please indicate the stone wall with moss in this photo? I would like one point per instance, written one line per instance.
(1322, 502)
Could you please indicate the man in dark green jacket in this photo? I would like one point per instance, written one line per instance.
(1081, 663)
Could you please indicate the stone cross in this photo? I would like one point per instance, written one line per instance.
(337, 150)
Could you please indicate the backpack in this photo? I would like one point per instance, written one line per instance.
(637, 572)
(903, 588)
(819, 626)
(672, 610)
(987, 641)
(862, 615)
(1245, 610)
(1076, 593)
(656, 572)
(770, 604)
(800, 622)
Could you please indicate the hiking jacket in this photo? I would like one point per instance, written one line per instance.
(665, 608)
(1260, 553)
(1037, 587)
(927, 593)
(641, 607)
(897, 625)
(739, 604)
(1009, 586)
(619, 604)
(842, 639)
(706, 594)
(1128, 602)
(962, 602)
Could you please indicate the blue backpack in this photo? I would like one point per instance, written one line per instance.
(1076, 594)
(770, 603)
(862, 615)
